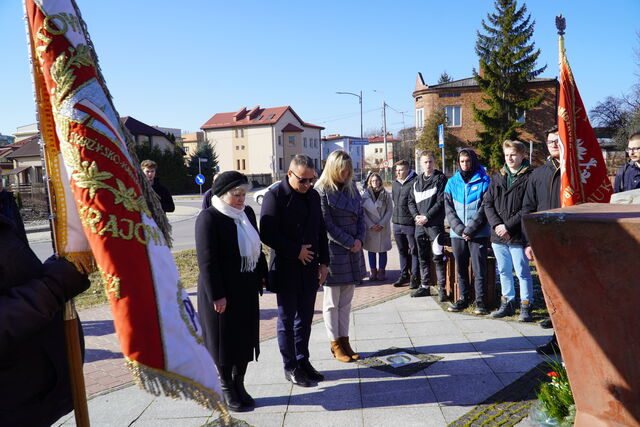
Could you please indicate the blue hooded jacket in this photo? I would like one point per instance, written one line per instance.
(463, 200)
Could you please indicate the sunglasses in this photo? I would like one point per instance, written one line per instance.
(303, 180)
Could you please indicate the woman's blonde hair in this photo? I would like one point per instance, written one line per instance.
(331, 178)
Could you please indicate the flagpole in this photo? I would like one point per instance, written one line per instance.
(70, 315)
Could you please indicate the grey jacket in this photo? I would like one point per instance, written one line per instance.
(344, 219)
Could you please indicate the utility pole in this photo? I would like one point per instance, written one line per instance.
(384, 136)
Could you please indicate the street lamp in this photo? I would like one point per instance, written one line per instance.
(360, 99)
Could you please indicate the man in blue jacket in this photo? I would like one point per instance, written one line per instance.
(628, 176)
(469, 228)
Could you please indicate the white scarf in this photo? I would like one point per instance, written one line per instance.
(248, 239)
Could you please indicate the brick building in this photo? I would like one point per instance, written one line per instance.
(457, 97)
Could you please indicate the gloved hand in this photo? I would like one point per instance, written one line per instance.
(63, 279)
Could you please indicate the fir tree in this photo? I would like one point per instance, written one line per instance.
(508, 62)
(205, 151)
(444, 78)
(429, 139)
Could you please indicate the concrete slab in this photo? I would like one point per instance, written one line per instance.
(461, 390)
(396, 392)
(416, 416)
(351, 418)
(514, 361)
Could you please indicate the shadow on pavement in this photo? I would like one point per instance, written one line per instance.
(97, 328)
(92, 355)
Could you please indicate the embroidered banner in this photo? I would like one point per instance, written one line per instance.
(583, 172)
(98, 195)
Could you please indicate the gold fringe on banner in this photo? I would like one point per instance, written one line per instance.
(83, 261)
(158, 382)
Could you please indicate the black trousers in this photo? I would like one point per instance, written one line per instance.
(295, 313)
(476, 250)
(425, 236)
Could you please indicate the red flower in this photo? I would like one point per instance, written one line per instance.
(553, 374)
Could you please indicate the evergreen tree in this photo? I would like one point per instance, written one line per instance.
(508, 62)
(205, 151)
(171, 169)
(444, 78)
(429, 139)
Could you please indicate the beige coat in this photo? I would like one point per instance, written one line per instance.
(377, 213)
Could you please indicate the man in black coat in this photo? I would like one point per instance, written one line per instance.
(543, 193)
(291, 225)
(628, 176)
(426, 204)
(403, 225)
(9, 208)
(34, 375)
(166, 201)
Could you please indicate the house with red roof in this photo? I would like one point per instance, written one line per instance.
(374, 151)
(261, 141)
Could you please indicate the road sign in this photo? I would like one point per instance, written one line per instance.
(440, 136)
(199, 179)
(385, 164)
(359, 142)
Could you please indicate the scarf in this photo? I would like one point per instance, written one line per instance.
(248, 239)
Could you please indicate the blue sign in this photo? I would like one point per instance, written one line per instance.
(440, 136)
(199, 179)
(359, 141)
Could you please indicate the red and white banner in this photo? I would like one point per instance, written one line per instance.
(582, 168)
(101, 213)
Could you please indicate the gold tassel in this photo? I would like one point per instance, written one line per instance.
(83, 261)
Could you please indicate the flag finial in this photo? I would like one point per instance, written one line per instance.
(561, 24)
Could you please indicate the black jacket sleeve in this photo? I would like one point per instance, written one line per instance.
(270, 233)
(618, 182)
(489, 206)
(323, 242)
(208, 254)
(452, 217)
(439, 204)
(413, 206)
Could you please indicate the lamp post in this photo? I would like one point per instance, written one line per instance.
(361, 131)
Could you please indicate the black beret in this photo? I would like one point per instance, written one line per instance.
(227, 181)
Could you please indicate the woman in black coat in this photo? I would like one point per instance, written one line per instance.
(233, 271)
(34, 375)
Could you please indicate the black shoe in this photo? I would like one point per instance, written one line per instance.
(549, 349)
(546, 323)
(244, 397)
(420, 292)
(480, 309)
(297, 377)
(310, 371)
(231, 397)
(442, 295)
(458, 306)
(415, 282)
(402, 281)
(506, 309)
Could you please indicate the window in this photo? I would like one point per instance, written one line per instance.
(521, 115)
(271, 116)
(292, 140)
(242, 147)
(280, 163)
(304, 141)
(453, 115)
(316, 142)
(238, 162)
(448, 95)
(241, 133)
(236, 132)
(237, 147)
(186, 150)
(315, 163)
(243, 164)
(280, 141)
(260, 117)
(419, 118)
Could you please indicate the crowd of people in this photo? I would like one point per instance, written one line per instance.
(317, 230)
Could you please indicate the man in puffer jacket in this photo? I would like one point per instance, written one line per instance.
(403, 225)
(469, 229)
(34, 375)
(426, 204)
(503, 207)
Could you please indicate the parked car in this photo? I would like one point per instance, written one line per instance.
(258, 195)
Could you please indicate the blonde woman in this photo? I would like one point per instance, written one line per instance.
(378, 207)
(344, 218)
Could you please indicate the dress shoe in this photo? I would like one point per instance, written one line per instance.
(549, 349)
(297, 377)
(402, 281)
(310, 371)
(244, 397)
(420, 292)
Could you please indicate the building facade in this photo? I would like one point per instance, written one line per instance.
(143, 133)
(261, 141)
(457, 97)
(350, 144)
(374, 152)
(191, 143)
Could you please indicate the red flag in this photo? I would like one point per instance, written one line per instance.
(582, 167)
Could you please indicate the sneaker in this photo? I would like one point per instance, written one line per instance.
(402, 281)
(506, 309)
(420, 292)
(550, 349)
(442, 295)
(525, 312)
(480, 309)
(415, 282)
(458, 306)
(546, 324)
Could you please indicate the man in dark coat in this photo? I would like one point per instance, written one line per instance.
(34, 376)
(9, 208)
(543, 193)
(628, 176)
(291, 225)
(403, 225)
(166, 201)
(426, 204)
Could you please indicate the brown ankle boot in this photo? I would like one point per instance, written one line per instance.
(381, 274)
(374, 275)
(338, 352)
(347, 348)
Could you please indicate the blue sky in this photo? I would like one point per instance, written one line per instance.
(175, 64)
